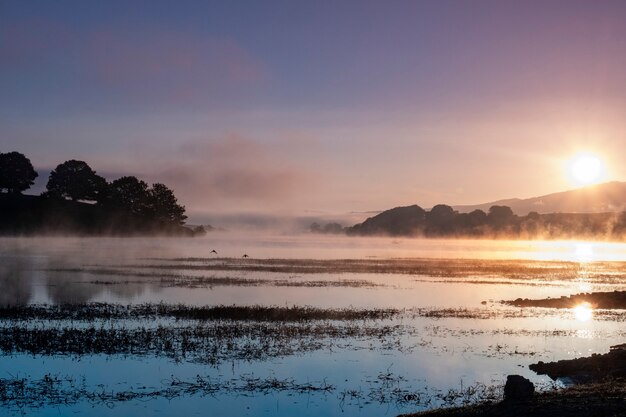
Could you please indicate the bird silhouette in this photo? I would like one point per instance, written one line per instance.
(245, 255)
(214, 251)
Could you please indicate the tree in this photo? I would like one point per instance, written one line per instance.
(128, 193)
(162, 205)
(533, 215)
(440, 219)
(199, 231)
(76, 180)
(333, 228)
(500, 216)
(477, 218)
(16, 172)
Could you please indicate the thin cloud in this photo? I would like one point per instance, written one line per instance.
(233, 171)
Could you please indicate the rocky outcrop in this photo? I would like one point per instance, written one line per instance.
(518, 388)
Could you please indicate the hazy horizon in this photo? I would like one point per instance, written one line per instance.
(330, 107)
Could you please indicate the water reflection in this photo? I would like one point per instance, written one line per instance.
(66, 288)
(15, 282)
(25, 280)
(77, 287)
(583, 252)
(583, 312)
(439, 350)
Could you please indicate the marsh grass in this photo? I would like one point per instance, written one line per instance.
(601, 272)
(22, 393)
(490, 313)
(185, 333)
(191, 281)
(210, 344)
(53, 390)
(107, 311)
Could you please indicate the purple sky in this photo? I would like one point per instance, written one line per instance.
(329, 106)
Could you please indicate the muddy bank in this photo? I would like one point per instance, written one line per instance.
(601, 399)
(602, 391)
(602, 300)
(597, 367)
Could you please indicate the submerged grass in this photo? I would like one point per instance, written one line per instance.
(21, 393)
(448, 268)
(259, 313)
(187, 333)
(93, 311)
(190, 281)
(209, 343)
(53, 390)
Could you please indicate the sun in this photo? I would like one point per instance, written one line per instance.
(586, 169)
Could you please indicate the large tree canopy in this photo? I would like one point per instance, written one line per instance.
(163, 205)
(77, 181)
(500, 216)
(128, 193)
(16, 172)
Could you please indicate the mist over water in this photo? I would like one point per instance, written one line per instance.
(35, 269)
(449, 330)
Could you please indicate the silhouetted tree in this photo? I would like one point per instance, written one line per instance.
(199, 231)
(619, 226)
(440, 219)
(398, 221)
(477, 218)
(16, 172)
(128, 193)
(333, 228)
(533, 215)
(77, 181)
(163, 205)
(500, 216)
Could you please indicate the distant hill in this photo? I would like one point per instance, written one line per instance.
(601, 198)
(597, 212)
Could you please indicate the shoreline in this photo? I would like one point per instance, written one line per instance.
(595, 399)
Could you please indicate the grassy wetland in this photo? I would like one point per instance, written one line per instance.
(385, 327)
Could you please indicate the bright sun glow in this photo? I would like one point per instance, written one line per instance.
(585, 169)
(583, 312)
(583, 252)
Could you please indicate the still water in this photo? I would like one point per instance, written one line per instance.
(450, 341)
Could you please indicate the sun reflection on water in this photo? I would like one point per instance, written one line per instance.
(585, 334)
(583, 252)
(571, 251)
(583, 312)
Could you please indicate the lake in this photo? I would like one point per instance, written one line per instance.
(309, 325)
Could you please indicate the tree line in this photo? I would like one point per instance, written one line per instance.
(77, 181)
(500, 221)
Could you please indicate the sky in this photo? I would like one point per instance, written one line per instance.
(327, 107)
